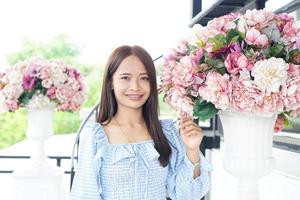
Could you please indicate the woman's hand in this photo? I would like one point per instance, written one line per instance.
(191, 134)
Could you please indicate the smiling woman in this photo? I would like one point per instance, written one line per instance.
(128, 153)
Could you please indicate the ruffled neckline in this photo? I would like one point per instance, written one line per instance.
(101, 134)
(143, 150)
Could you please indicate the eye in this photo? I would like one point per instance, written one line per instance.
(125, 77)
(146, 78)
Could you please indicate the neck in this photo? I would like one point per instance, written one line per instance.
(129, 117)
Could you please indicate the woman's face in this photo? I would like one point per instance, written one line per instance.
(131, 84)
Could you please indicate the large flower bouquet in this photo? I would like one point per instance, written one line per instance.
(246, 63)
(40, 83)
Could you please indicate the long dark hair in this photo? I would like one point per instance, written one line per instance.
(108, 104)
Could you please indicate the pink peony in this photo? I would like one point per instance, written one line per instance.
(236, 61)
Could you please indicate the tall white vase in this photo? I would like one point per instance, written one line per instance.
(248, 142)
(38, 178)
(39, 129)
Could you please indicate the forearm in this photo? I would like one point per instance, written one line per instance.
(194, 157)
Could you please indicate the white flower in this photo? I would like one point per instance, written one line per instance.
(3, 107)
(242, 25)
(270, 74)
(13, 91)
(13, 76)
(40, 101)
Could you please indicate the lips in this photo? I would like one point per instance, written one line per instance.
(134, 97)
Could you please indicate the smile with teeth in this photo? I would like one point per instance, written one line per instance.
(135, 97)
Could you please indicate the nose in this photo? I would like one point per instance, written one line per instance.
(134, 84)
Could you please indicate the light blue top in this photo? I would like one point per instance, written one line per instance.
(132, 171)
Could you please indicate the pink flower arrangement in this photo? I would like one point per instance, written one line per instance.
(40, 83)
(243, 62)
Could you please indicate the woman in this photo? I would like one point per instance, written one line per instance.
(129, 153)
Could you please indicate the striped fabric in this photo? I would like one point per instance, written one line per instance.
(132, 171)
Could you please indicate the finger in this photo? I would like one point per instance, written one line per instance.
(187, 123)
(192, 133)
(191, 128)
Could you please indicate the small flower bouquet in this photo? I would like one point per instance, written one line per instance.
(242, 62)
(40, 83)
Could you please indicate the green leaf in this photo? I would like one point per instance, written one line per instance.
(218, 41)
(204, 110)
(217, 64)
(277, 50)
(233, 35)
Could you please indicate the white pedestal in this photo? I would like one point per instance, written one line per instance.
(39, 186)
(248, 149)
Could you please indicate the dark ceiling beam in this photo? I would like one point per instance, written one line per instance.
(240, 4)
(200, 15)
(197, 7)
(290, 7)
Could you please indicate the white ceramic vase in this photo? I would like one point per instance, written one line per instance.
(248, 142)
(39, 129)
(38, 178)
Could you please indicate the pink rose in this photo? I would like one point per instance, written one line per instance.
(236, 61)
(254, 37)
(279, 124)
(51, 93)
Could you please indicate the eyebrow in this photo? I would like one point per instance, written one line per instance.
(144, 73)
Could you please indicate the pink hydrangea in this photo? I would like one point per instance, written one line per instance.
(291, 94)
(273, 102)
(216, 90)
(245, 96)
(182, 74)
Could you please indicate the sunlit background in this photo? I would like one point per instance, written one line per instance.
(83, 33)
(95, 26)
